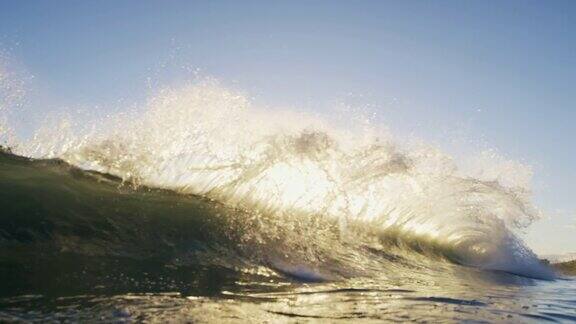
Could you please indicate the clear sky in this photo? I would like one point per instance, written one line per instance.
(500, 72)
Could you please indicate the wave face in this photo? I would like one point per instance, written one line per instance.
(288, 191)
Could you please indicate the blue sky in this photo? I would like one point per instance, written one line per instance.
(497, 72)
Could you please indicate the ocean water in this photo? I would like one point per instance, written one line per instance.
(201, 207)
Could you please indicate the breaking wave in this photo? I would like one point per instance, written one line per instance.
(308, 196)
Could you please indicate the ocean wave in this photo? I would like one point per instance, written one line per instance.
(310, 198)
